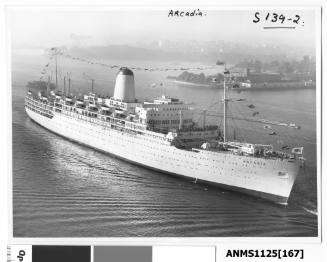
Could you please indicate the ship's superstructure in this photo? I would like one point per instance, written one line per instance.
(162, 135)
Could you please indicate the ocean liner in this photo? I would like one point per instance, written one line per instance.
(161, 135)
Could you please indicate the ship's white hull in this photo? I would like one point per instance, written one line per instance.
(271, 179)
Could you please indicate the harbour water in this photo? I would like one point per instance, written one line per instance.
(63, 189)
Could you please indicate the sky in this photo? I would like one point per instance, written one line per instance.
(44, 27)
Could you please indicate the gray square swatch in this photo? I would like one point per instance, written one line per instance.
(122, 254)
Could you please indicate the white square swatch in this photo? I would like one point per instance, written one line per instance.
(183, 254)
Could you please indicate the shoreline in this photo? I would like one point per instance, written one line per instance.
(194, 84)
(257, 86)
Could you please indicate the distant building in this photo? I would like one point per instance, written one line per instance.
(238, 72)
(263, 77)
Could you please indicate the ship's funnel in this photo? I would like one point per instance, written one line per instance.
(124, 87)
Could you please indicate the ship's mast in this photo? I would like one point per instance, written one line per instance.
(54, 52)
(48, 86)
(204, 118)
(56, 70)
(64, 85)
(69, 85)
(225, 101)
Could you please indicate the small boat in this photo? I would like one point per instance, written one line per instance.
(251, 106)
(273, 133)
(294, 126)
(264, 120)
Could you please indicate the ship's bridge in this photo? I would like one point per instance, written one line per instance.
(129, 107)
(166, 100)
(165, 113)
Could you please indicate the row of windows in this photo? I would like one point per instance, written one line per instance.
(148, 152)
(174, 109)
(37, 108)
(164, 115)
(118, 104)
(150, 138)
(43, 113)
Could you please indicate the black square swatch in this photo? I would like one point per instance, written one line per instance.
(61, 254)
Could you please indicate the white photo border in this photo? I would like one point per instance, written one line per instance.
(165, 240)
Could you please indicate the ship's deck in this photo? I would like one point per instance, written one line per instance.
(51, 108)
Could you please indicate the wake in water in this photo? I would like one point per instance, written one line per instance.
(313, 212)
